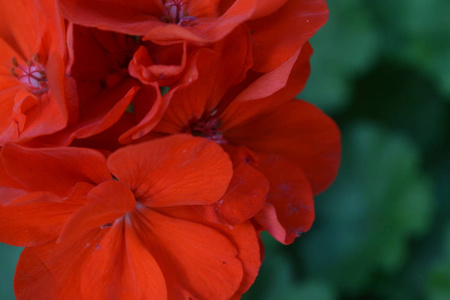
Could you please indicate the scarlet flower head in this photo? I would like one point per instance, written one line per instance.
(166, 21)
(202, 91)
(290, 143)
(289, 23)
(94, 236)
(33, 85)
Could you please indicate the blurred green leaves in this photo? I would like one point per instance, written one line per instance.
(279, 280)
(417, 32)
(360, 33)
(367, 223)
(8, 260)
(382, 70)
(345, 47)
(380, 201)
(438, 287)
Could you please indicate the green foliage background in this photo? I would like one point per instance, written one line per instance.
(381, 69)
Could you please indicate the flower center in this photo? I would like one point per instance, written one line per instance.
(32, 74)
(209, 130)
(175, 13)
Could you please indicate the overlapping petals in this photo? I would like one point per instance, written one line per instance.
(145, 144)
(33, 87)
(303, 141)
(203, 21)
(126, 228)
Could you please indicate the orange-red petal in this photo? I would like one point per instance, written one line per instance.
(55, 170)
(270, 90)
(33, 219)
(244, 238)
(122, 268)
(176, 170)
(30, 219)
(106, 202)
(197, 261)
(290, 206)
(279, 35)
(245, 195)
(301, 133)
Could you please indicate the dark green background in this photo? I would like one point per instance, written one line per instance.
(381, 69)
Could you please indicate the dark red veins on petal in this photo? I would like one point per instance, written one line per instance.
(32, 74)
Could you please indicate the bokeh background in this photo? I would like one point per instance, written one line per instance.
(381, 69)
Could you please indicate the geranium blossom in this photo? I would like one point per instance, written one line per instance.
(292, 143)
(136, 235)
(33, 87)
(145, 144)
(279, 27)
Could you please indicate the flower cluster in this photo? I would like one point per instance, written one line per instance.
(145, 144)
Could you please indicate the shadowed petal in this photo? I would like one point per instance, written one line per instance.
(299, 132)
(245, 195)
(290, 205)
(273, 43)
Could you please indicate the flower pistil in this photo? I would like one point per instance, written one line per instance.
(175, 12)
(32, 74)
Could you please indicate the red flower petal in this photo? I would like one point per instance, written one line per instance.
(245, 240)
(266, 7)
(270, 90)
(217, 69)
(176, 170)
(108, 107)
(197, 261)
(290, 196)
(55, 170)
(299, 132)
(170, 65)
(53, 268)
(32, 42)
(243, 236)
(107, 202)
(32, 219)
(120, 267)
(245, 195)
(6, 180)
(273, 44)
(131, 18)
(149, 106)
(35, 222)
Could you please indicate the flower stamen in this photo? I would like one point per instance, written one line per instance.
(209, 130)
(32, 74)
(175, 13)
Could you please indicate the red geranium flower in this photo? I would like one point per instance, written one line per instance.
(35, 95)
(279, 27)
(165, 21)
(103, 64)
(228, 61)
(98, 63)
(90, 235)
(294, 144)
